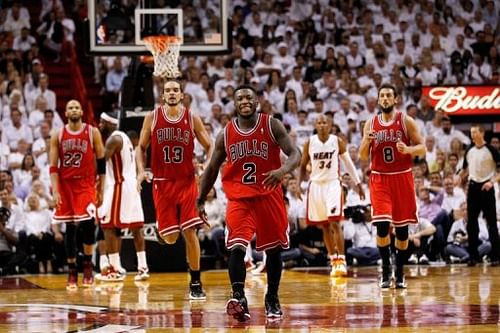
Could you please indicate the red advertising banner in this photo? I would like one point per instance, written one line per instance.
(465, 100)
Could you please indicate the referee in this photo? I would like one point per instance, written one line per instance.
(481, 162)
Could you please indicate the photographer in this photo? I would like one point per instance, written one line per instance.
(420, 238)
(8, 239)
(457, 247)
(364, 249)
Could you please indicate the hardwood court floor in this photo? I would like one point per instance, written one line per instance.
(438, 299)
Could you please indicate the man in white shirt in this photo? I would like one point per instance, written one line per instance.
(453, 196)
(23, 42)
(15, 131)
(447, 133)
(43, 89)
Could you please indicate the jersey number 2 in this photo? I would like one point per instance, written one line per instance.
(249, 177)
(176, 154)
(72, 160)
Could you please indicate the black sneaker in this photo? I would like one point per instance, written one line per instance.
(237, 306)
(401, 282)
(196, 292)
(385, 279)
(273, 307)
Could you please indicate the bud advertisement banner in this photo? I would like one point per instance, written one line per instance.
(464, 100)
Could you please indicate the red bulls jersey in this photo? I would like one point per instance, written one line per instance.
(250, 154)
(76, 153)
(172, 145)
(385, 157)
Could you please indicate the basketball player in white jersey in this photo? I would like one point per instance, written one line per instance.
(324, 194)
(121, 207)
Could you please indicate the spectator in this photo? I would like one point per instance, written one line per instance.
(8, 239)
(363, 234)
(24, 41)
(212, 240)
(458, 239)
(420, 238)
(42, 90)
(38, 229)
(15, 131)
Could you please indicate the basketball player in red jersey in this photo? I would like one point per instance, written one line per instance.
(171, 129)
(75, 150)
(250, 145)
(391, 140)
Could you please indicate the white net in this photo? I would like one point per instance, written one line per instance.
(165, 50)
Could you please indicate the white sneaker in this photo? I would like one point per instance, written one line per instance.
(110, 275)
(260, 269)
(142, 274)
(423, 260)
(339, 268)
(413, 260)
(455, 260)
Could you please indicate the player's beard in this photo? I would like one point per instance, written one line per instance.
(387, 109)
(74, 119)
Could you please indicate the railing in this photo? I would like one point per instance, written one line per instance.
(78, 89)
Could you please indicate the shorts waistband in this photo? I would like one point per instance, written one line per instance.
(391, 173)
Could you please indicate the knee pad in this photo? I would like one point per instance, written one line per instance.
(401, 244)
(88, 231)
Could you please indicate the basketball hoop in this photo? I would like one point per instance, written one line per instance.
(165, 50)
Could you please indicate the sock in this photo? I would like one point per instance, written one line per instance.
(274, 266)
(103, 261)
(114, 260)
(385, 254)
(237, 271)
(141, 259)
(195, 276)
(400, 261)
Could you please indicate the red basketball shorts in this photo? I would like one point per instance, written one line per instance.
(175, 204)
(78, 196)
(264, 216)
(393, 198)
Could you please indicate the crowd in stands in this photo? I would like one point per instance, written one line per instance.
(304, 58)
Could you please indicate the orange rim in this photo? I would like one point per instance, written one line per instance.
(160, 43)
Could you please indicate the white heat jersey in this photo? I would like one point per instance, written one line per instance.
(324, 158)
(121, 206)
(121, 165)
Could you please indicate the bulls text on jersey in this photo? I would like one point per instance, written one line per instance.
(248, 148)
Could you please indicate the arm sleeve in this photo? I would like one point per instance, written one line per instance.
(350, 168)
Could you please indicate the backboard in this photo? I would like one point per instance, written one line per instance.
(119, 26)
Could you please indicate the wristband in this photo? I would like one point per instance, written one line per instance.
(53, 169)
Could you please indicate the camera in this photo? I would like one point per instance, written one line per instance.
(456, 239)
(4, 214)
(357, 213)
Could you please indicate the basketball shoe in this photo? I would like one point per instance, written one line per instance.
(142, 274)
(72, 283)
(273, 307)
(385, 279)
(237, 306)
(110, 274)
(88, 275)
(196, 292)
